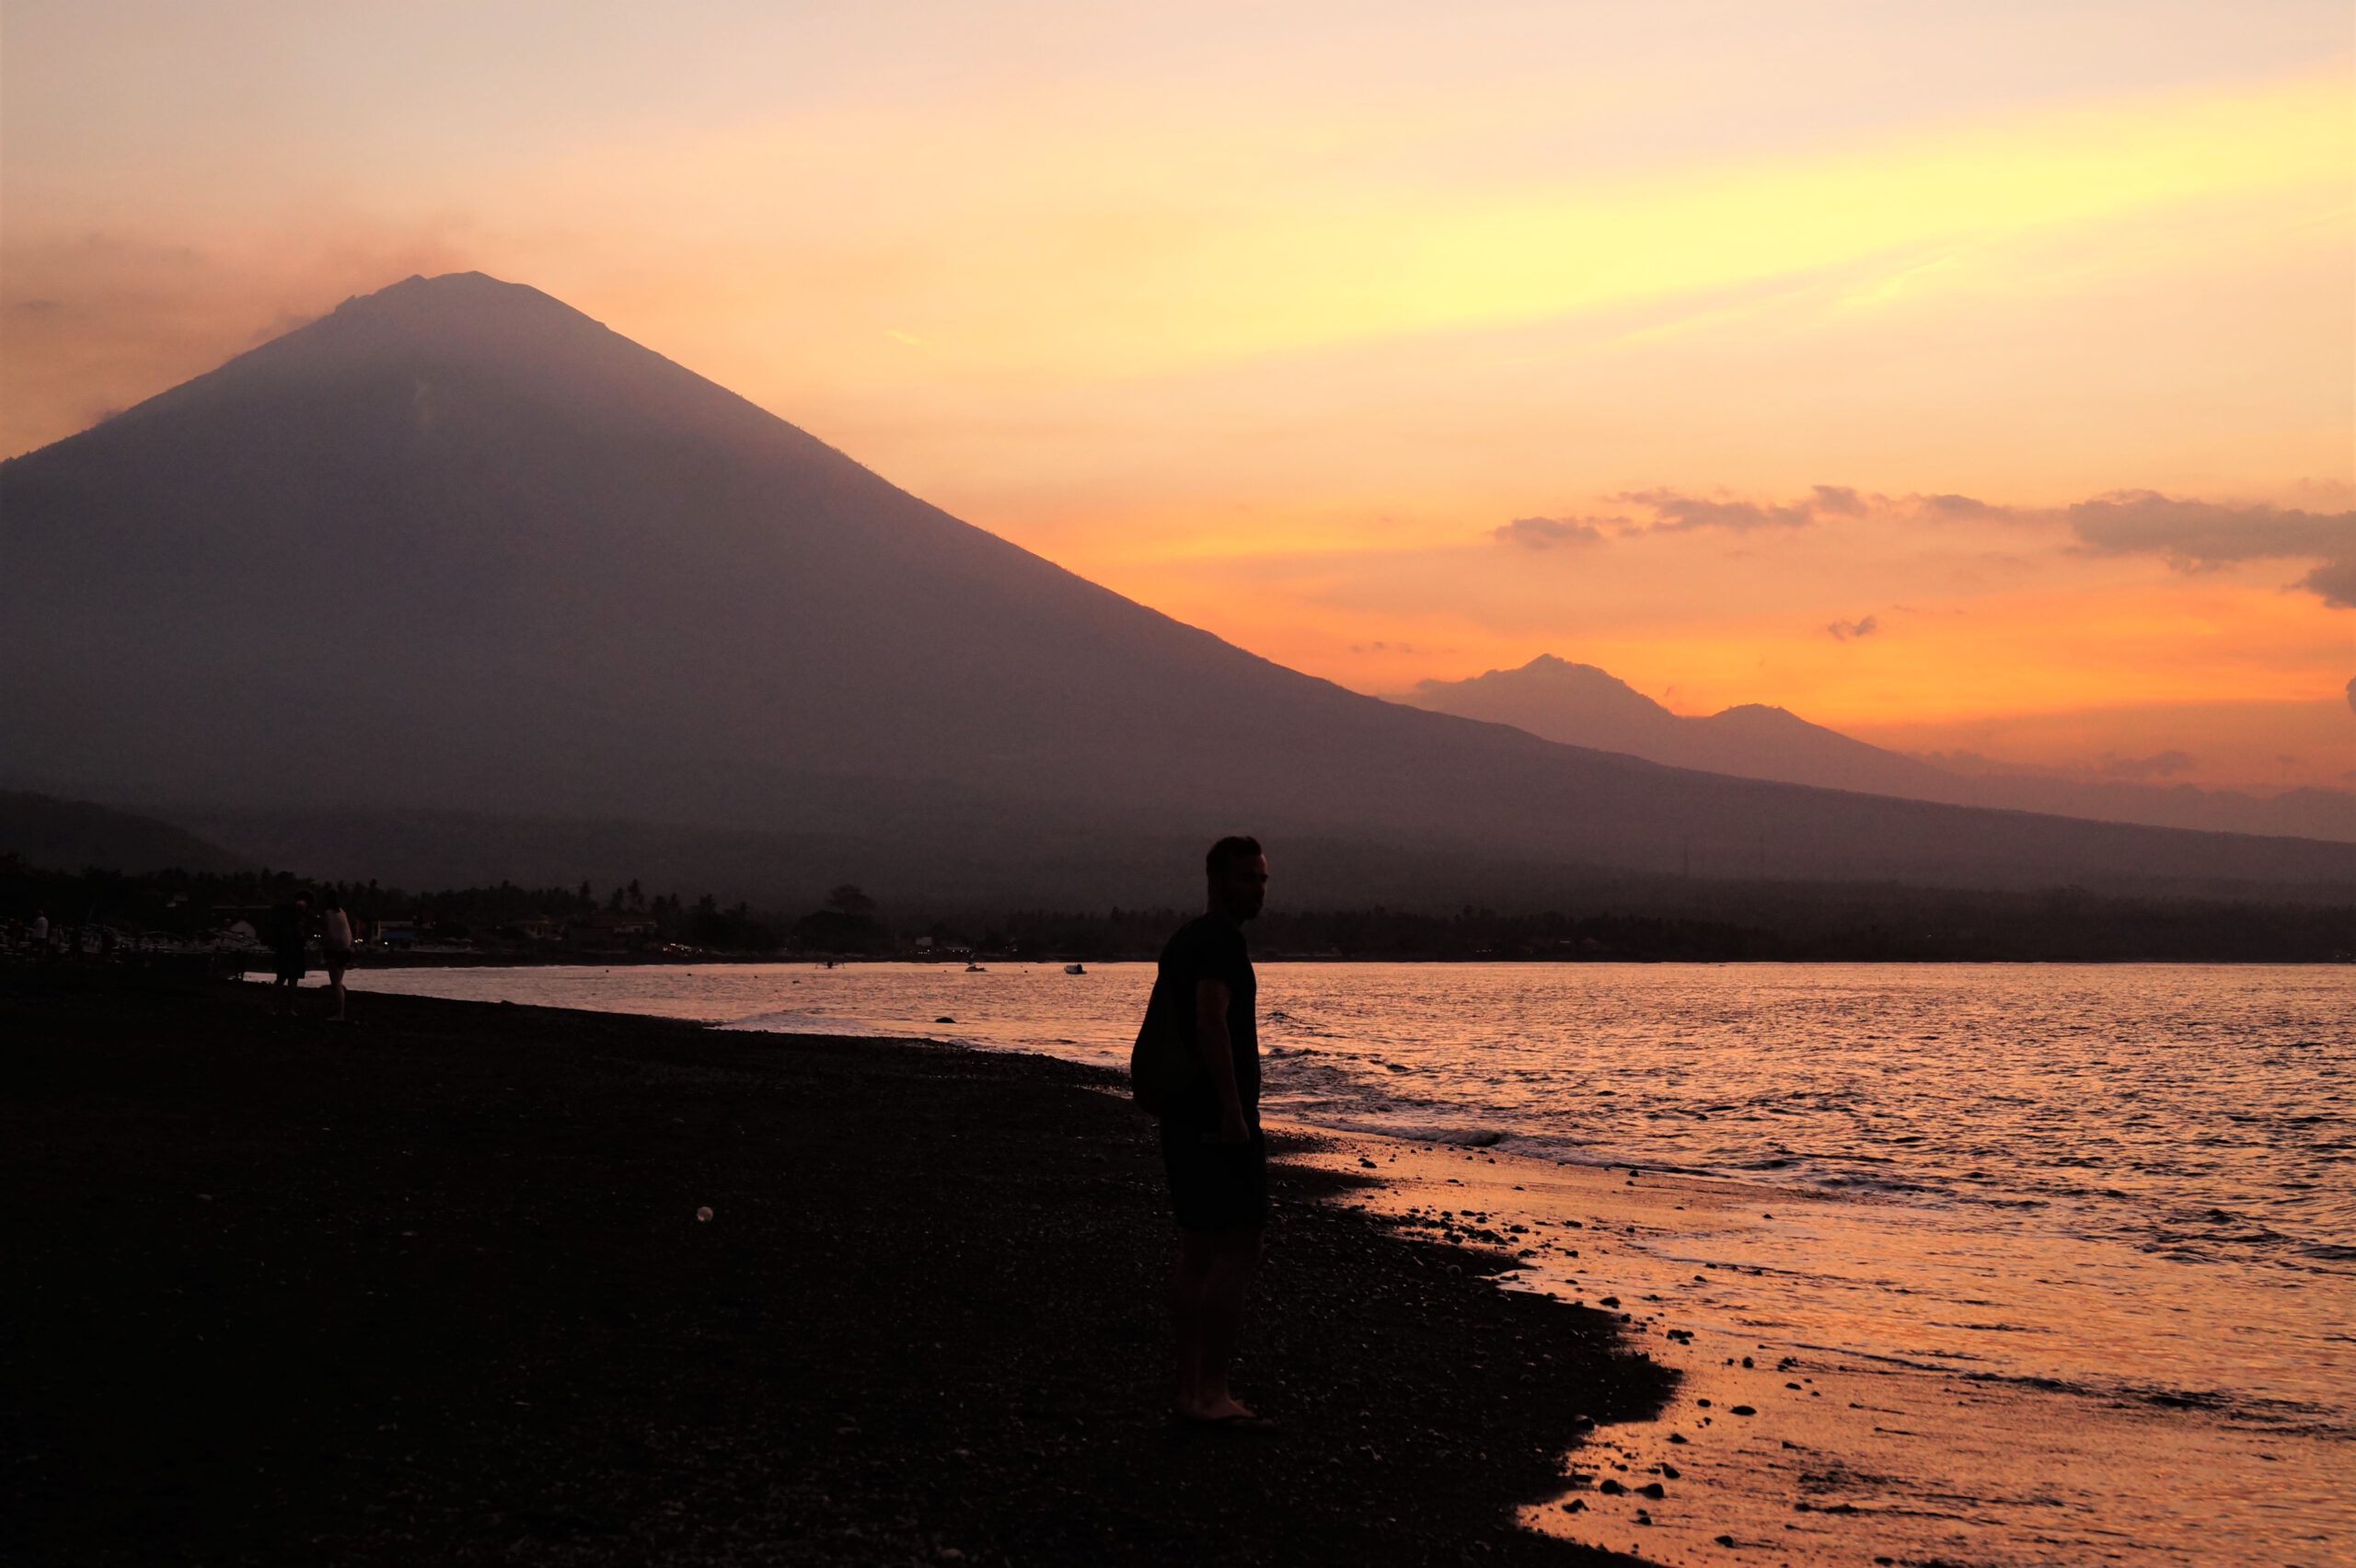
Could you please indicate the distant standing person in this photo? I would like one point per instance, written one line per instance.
(1211, 1146)
(335, 946)
(40, 933)
(291, 934)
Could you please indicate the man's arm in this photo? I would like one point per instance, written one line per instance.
(1218, 1053)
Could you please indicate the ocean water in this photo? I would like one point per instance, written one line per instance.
(2132, 1187)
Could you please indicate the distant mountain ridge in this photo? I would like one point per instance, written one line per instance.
(1581, 705)
(458, 549)
(76, 835)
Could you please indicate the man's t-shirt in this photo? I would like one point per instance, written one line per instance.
(1210, 947)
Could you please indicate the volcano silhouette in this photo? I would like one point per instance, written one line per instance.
(458, 548)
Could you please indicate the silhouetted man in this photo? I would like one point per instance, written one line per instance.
(291, 934)
(1211, 1145)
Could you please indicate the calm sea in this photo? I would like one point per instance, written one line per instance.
(2133, 1182)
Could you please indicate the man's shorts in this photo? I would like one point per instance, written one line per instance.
(1214, 1185)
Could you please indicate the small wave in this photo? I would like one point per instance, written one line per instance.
(2222, 1403)
(819, 1024)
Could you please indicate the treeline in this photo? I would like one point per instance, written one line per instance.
(1670, 923)
(194, 905)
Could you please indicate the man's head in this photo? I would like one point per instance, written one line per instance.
(1238, 869)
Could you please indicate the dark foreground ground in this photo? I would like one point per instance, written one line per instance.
(433, 1288)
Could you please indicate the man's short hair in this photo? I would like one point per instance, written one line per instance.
(1235, 846)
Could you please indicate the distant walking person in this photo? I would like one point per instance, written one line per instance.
(335, 946)
(290, 932)
(1206, 996)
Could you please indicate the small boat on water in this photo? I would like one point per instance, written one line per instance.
(1075, 969)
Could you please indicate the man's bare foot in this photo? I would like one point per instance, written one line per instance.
(1236, 1419)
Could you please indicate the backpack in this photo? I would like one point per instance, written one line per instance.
(1165, 1072)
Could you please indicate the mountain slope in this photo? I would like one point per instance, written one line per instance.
(1580, 705)
(455, 547)
(75, 836)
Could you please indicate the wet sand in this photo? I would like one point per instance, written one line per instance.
(435, 1287)
(1777, 1447)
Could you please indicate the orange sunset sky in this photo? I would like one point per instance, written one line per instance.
(1973, 376)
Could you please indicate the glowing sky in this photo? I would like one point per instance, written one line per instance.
(1390, 341)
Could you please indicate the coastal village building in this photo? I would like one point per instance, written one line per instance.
(612, 931)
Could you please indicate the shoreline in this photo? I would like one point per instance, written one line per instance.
(1780, 1438)
(433, 1284)
(2015, 1428)
(259, 964)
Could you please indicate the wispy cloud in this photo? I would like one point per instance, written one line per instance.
(1845, 631)
(1675, 512)
(2191, 535)
(1546, 532)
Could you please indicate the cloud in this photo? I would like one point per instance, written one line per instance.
(1675, 513)
(2191, 535)
(1545, 532)
(1958, 508)
(2198, 534)
(2336, 580)
(2159, 765)
(1844, 630)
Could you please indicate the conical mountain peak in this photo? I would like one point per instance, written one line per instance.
(457, 546)
(460, 300)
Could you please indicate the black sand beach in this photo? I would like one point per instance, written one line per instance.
(433, 1287)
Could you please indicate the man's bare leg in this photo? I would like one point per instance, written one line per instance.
(1189, 1279)
(1215, 1273)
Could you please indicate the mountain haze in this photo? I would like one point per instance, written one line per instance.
(456, 547)
(1581, 705)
